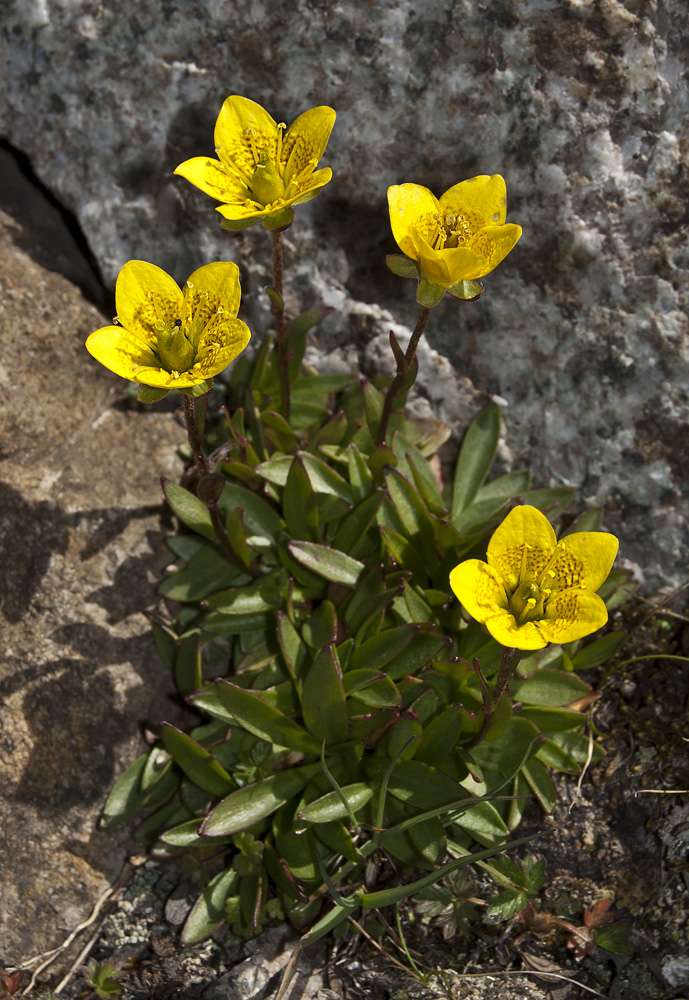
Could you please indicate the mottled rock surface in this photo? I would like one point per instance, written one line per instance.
(582, 107)
(80, 551)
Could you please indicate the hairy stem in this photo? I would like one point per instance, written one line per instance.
(278, 311)
(195, 442)
(508, 664)
(196, 445)
(403, 366)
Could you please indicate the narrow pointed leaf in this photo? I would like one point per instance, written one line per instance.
(252, 803)
(328, 563)
(475, 458)
(263, 720)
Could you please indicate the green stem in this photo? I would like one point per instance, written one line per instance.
(278, 311)
(403, 366)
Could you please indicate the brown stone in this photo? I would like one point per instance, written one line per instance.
(80, 550)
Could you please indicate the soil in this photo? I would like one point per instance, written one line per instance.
(620, 832)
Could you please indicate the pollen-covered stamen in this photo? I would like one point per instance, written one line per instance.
(547, 574)
(458, 230)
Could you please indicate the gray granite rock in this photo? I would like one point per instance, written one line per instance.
(581, 106)
(80, 550)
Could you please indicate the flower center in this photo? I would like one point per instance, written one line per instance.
(174, 350)
(528, 599)
(452, 231)
(266, 183)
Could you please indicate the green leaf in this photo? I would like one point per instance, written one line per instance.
(615, 938)
(323, 479)
(475, 458)
(553, 720)
(373, 406)
(316, 385)
(509, 485)
(188, 676)
(187, 835)
(324, 705)
(541, 784)
(276, 469)
(126, 795)
(599, 651)
(261, 522)
(404, 553)
(386, 897)
(380, 649)
(354, 527)
(360, 478)
(552, 501)
(549, 687)
(264, 595)
(418, 784)
(294, 649)
(208, 912)
(189, 509)
(206, 571)
(412, 511)
(321, 628)
(381, 693)
(195, 761)
(326, 562)
(296, 335)
(149, 394)
(440, 735)
(165, 641)
(485, 824)
(424, 646)
(331, 807)
(263, 720)
(248, 805)
(299, 503)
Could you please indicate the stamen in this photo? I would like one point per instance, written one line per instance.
(547, 569)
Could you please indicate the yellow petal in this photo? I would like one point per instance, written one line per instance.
(432, 263)
(584, 559)
(572, 614)
(120, 351)
(243, 131)
(524, 529)
(481, 200)
(220, 344)
(147, 299)
(494, 244)
(211, 295)
(479, 588)
(311, 187)
(504, 629)
(213, 179)
(409, 204)
(305, 142)
(462, 263)
(248, 210)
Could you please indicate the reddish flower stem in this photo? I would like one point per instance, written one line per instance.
(402, 371)
(196, 445)
(278, 311)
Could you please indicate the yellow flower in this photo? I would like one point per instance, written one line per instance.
(460, 237)
(168, 338)
(534, 590)
(260, 173)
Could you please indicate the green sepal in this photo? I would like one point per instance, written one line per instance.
(402, 266)
(198, 390)
(236, 225)
(150, 394)
(469, 291)
(428, 295)
(279, 220)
